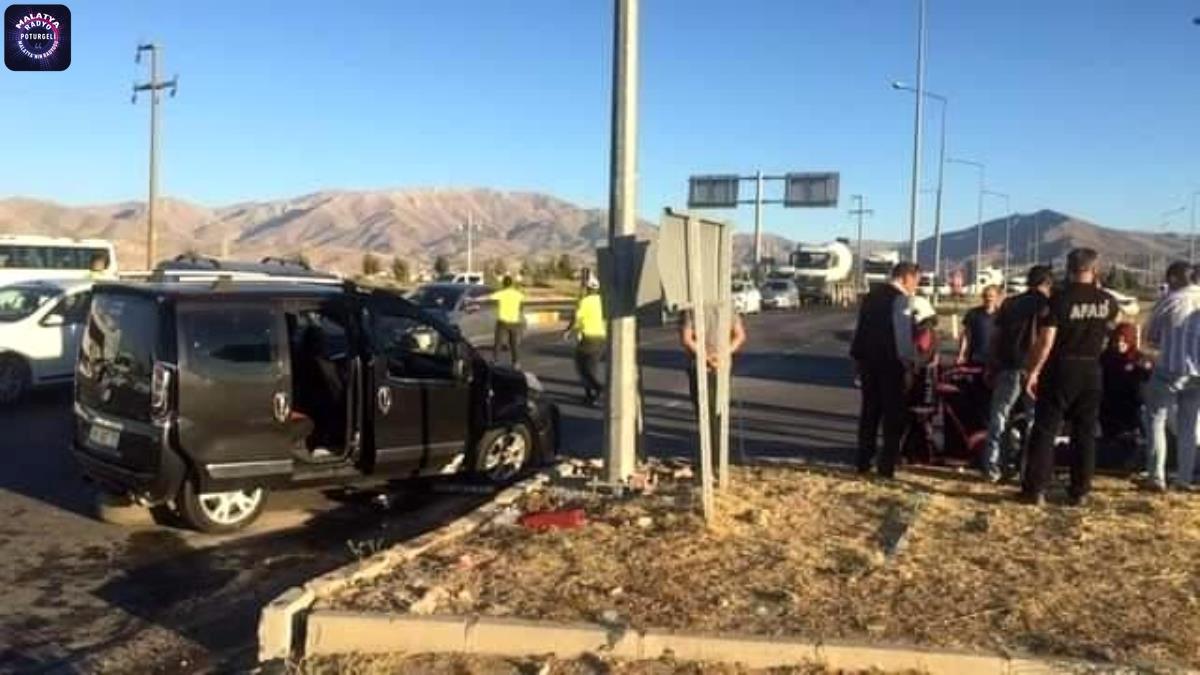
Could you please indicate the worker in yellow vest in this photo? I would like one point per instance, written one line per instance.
(590, 333)
(510, 321)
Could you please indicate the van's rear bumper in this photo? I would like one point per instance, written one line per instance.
(155, 487)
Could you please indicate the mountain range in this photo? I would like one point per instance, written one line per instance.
(335, 228)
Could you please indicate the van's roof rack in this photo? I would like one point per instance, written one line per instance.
(198, 268)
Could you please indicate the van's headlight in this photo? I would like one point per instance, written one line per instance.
(533, 383)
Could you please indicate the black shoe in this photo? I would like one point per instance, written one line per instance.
(1032, 498)
(1078, 501)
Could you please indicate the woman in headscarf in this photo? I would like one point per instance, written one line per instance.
(1125, 370)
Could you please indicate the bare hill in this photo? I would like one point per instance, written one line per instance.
(333, 228)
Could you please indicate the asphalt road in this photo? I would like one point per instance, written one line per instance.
(85, 596)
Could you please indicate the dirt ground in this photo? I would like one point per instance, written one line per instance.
(931, 558)
(436, 664)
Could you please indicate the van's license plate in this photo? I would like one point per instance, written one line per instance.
(104, 437)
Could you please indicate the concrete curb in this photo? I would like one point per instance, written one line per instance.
(338, 632)
(281, 622)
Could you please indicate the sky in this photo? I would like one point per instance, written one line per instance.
(1084, 106)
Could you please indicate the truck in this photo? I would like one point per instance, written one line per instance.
(877, 267)
(824, 273)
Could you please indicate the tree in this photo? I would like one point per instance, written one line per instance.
(371, 264)
(494, 271)
(400, 269)
(441, 265)
(564, 267)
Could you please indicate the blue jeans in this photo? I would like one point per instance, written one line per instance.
(1005, 392)
(1162, 392)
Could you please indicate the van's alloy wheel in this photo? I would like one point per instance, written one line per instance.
(504, 453)
(14, 379)
(230, 508)
(219, 512)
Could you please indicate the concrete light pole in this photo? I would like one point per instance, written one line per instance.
(941, 182)
(620, 427)
(153, 86)
(1007, 230)
(978, 214)
(1192, 231)
(469, 228)
(859, 211)
(918, 124)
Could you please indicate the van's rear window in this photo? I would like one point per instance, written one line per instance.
(120, 338)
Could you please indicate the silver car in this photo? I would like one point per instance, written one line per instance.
(463, 305)
(780, 294)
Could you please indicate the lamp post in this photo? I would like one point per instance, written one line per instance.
(937, 213)
(1192, 229)
(978, 212)
(918, 124)
(469, 229)
(1007, 229)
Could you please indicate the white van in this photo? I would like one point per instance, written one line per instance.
(41, 324)
(31, 257)
(471, 278)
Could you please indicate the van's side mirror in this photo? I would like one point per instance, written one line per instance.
(53, 320)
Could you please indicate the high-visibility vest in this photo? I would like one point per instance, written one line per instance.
(589, 317)
(508, 305)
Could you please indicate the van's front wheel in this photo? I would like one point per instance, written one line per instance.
(220, 512)
(503, 453)
(14, 379)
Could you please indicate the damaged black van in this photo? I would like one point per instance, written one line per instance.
(204, 395)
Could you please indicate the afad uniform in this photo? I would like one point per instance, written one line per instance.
(1071, 385)
(590, 324)
(509, 323)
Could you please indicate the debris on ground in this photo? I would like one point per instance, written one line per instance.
(567, 519)
(804, 553)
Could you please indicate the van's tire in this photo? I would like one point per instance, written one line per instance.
(14, 379)
(219, 512)
(504, 453)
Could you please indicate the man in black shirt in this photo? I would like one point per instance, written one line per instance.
(883, 354)
(977, 328)
(1064, 377)
(1015, 326)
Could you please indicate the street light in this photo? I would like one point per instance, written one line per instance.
(937, 214)
(978, 211)
(918, 124)
(1007, 229)
(1192, 231)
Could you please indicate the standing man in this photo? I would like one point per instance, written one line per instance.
(884, 357)
(687, 336)
(590, 332)
(509, 321)
(977, 329)
(1064, 378)
(1174, 330)
(1015, 326)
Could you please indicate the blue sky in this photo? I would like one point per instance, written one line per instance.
(1087, 106)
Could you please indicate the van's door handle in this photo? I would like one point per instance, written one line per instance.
(281, 407)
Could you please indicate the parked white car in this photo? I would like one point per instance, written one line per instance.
(780, 294)
(746, 298)
(1128, 304)
(41, 325)
(470, 278)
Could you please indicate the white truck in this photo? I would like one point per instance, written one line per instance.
(877, 267)
(824, 273)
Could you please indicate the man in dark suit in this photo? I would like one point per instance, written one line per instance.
(883, 355)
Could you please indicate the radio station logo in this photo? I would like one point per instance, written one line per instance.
(37, 37)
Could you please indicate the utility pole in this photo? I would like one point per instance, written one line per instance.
(469, 228)
(620, 428)
(758, 204)
(918, 124)
(1037, 238)
(859, 211)
(1192, 231)
(153, 86)
(979, 166)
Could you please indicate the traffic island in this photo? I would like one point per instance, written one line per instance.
(934, 572)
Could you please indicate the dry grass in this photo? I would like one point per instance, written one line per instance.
(457, 664)
(804, 553)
